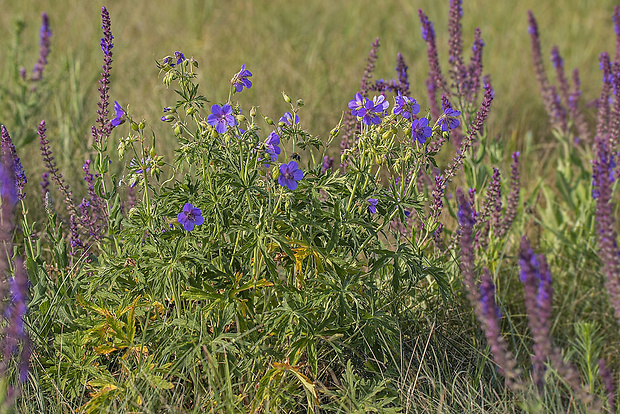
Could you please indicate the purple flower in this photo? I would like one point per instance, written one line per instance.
(289, 175)
(272, 142)
(180, 57)
(405, 105)
(190, 216)
(328, 163)
(372, 205)
(221, 118)
(380, 105)
(357, 105)
(370, 117)
(420, 130)
(287, 118)
(44, 41)
(120, 115)
(240, 80)
(449, 119)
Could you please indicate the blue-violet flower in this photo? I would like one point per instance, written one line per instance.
(190, 216)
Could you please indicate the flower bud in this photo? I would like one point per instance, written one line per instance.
(334, 132)
(269, 120)
(190, 111)
(141, 125)
(300, 103)
(253, 112)
(177, 130)
(240, 118)
(134, 126)
(287, 98)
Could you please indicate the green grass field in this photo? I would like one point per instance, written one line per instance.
(315, 51)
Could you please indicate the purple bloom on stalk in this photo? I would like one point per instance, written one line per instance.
(357, 105)
(449, 119)
(9, 155)
(288, 119)
(420, 130)
(240, 80)
(372, 205)
(405, 105)
(221, 118)
(289, 175)
(44, 49)
(190, 216)
(328, 163)
(120, 115)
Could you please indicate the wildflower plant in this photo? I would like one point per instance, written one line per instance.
(248, 273)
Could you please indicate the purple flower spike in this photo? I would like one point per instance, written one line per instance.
(420, 130)
(120, 115)
(44, 50)
(289, 175)
(221, 118)
(240, 80)
(372, 205)
(190, 216)
(328, 163)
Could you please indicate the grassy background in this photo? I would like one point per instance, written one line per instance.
(313, 51)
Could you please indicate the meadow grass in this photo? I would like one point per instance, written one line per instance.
(421, 349)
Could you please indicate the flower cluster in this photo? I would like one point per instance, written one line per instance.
(178, 55)
(369, 112)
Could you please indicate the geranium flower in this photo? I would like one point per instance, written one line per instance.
(272, 142)
(190, 216)
(120, 115)
(405, 105)
(289, 175)
(287, 118)
(372, 205)
(240, 80)
(221, 118)
(420, 130)
(449, 119)
(357, 105)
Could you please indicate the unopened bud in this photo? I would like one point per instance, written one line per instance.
(134, 126)
(253, 112)
(300, 102)
(190, 111)
(240, 118)
(334, 132)
(287, 98)
(141, 125)
(269, 120)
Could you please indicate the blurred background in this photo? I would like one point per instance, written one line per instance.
(315, 51)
